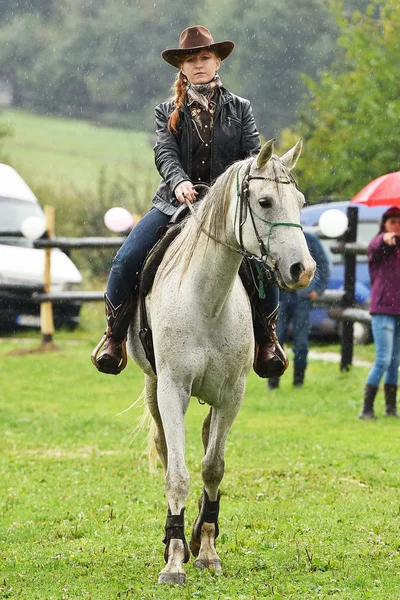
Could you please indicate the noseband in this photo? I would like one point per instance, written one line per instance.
(243, 207)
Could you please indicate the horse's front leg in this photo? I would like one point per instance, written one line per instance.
(205, 529)
(173, 400)
(205, 532)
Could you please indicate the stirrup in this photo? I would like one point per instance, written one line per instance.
(95, 353)
(279, 351)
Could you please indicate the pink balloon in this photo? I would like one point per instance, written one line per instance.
(118, 219)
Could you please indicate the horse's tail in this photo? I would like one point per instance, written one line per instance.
(146, 421)
(152, 453)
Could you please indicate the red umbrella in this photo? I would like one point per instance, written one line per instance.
(384, 191)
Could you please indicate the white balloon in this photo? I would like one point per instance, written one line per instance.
(333, 223)
(33, 227)
(118, 219)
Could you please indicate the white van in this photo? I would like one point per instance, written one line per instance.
(22, 265)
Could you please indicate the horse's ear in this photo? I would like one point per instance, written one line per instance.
(265, 154)
(292, 156)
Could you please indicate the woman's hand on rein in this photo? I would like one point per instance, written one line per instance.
(185, 191)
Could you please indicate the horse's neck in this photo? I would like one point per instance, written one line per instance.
(213, 269)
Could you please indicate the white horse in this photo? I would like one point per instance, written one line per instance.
(200, 316)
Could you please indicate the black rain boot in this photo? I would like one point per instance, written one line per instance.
(273, 383)
(112, 358)
(368, 408)
(390, 399)
(270, 359)
(298, 377)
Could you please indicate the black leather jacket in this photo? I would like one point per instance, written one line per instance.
(235, 137)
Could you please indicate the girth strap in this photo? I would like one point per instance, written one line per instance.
(175, 530)
(145, 333)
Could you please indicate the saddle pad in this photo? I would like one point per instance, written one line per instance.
(155, 257)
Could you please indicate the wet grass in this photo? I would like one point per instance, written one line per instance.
(310, 498)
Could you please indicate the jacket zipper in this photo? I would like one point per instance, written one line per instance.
(189, 130)
(212, 144)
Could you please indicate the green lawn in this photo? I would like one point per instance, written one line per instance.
(310, 498)
(69, 154)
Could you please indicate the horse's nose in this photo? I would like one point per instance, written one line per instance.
(296, 271)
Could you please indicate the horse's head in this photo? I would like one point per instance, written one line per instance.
(270, 207)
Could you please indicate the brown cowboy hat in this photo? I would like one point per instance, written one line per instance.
(194, 39)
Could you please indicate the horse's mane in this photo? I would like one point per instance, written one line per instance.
(210, 216)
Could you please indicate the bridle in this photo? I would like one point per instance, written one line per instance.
(243, 208)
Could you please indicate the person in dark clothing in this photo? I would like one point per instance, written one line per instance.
(296, 307)
(384, 270)
(201, 131)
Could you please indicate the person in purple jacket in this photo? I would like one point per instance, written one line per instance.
(384, 268)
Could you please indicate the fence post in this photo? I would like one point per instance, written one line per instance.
(46, 308)
(350, 261)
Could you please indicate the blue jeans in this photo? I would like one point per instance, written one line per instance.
(297, 311)
(128, 262)
(386, 332)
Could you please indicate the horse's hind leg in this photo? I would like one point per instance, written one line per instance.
(173, 400)
(205, 529)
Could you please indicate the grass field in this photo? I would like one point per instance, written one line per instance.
(310, 498)
(67, 154)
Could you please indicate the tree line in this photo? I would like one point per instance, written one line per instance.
(102, 60)
(350, 117)
(324, 71)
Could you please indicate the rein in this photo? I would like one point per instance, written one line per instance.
(243, 252)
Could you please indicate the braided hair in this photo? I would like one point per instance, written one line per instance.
(179, 87)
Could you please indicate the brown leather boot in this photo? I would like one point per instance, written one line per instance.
(367, 412)
(270, 359)
(112, 358)
(390, 399)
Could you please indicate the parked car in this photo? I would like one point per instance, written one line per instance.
(22, 265)
(322, 325)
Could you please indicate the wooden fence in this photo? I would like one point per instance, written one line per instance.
(340, 302)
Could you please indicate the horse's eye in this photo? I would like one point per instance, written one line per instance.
(266, 201)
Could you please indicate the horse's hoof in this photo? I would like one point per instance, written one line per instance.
(213, 565)
(172, 578)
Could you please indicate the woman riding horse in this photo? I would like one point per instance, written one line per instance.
(200, 132)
